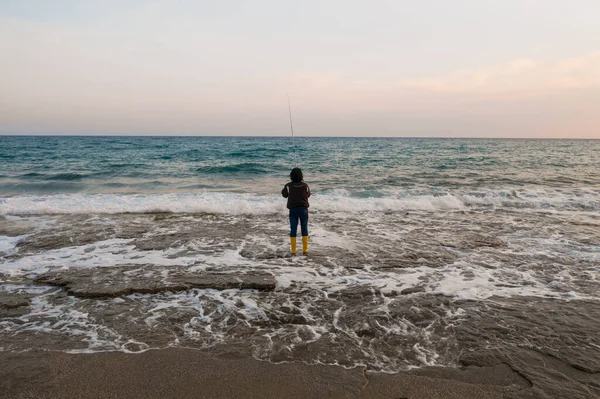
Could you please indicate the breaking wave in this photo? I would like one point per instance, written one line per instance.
(335, 201)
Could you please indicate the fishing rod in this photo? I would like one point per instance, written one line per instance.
(292, 129)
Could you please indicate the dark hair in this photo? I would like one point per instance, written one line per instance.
(296, 175)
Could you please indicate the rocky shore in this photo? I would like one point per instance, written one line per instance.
(213, 306)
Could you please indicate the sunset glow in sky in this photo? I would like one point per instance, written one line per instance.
(463, 68)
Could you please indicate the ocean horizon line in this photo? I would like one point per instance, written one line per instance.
(307, 137)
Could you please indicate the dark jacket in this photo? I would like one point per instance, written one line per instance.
(297, 194)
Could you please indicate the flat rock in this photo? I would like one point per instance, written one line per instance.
(261, 254)
(433, 257)
(474, 240)
(14, 305)
(12, 301)
(412, 290)
(49, 240)
(11, 228)
(121, 281)
(360, 291)
(545, 374)
(221, 281)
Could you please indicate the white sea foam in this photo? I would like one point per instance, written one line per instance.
(110, 253)
(222, 203)
(479, 282)
(333, 201)
(8, 244)
(23, 289)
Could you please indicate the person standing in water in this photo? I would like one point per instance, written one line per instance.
(297, 193)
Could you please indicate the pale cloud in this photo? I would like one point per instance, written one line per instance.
(519, 75)
(519, 79)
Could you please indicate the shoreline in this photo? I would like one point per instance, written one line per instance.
(189, 373)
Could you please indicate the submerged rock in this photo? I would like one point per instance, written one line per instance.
(49, 240)
(473, 240)
(412, 290)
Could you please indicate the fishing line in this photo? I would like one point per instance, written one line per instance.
(292, 128)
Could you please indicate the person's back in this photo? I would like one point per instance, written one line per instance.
(297, 193)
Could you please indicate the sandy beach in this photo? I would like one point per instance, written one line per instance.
(186, 373)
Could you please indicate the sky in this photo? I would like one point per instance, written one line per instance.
(461, 68)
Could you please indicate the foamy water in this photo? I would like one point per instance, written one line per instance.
(339, 201)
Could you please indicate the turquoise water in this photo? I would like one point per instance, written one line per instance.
(179, 170)
(43, 165)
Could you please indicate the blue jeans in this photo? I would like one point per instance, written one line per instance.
(295, 214)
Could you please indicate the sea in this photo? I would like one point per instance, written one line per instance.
(421, 250)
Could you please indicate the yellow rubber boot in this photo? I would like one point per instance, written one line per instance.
(304, 245)
(293, 244)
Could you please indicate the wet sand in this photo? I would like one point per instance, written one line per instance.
(187, 373)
